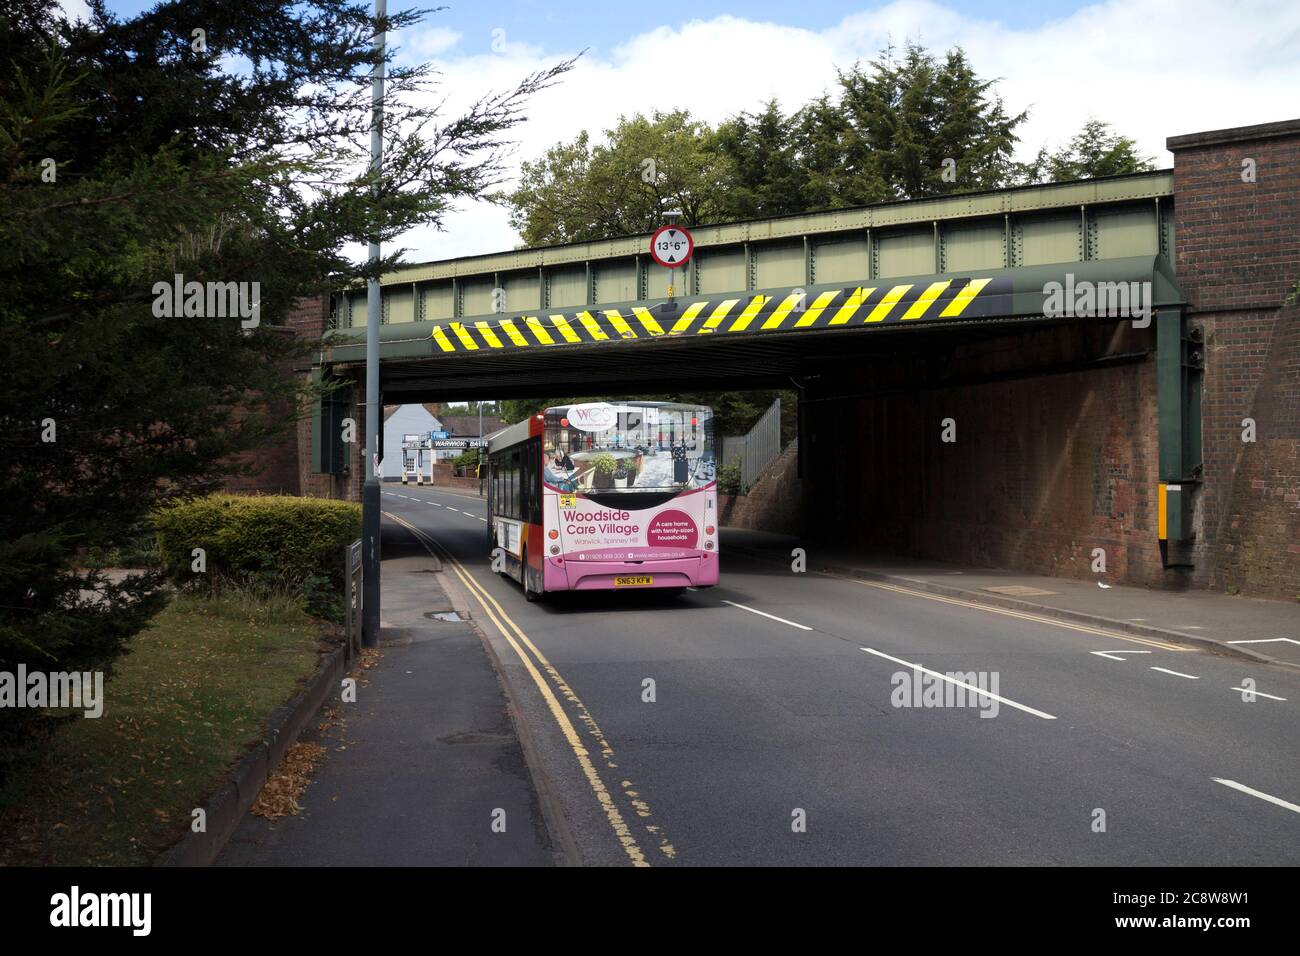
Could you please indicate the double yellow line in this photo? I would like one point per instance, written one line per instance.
(506, 625)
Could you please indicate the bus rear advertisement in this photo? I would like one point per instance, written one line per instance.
(605, 495)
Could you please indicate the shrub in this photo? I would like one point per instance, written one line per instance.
(467, 459)
(266, 543)
(730, 479)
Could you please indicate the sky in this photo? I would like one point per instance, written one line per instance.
(1152, 68)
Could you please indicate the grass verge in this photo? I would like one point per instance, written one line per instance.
(182, 708)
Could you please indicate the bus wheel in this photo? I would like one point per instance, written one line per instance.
(529, 594)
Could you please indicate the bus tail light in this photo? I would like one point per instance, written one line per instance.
(708, 545)
(552, 534)
(555, 549)
(709, 530)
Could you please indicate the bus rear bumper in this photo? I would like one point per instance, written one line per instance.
(698, 571)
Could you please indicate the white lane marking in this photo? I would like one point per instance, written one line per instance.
(484, 520)
(1165, 670)
(1270, 640)
(753, 610)
(692, 589)
(1257, 693)
(450, 508)
(1256, 793)
(1110, 655)
(953, 680)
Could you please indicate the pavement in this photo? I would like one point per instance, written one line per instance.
(426, 768)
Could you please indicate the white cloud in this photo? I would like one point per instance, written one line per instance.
(75, 9)
(423, 42)
(1154, 68)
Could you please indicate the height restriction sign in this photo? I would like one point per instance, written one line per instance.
(671, 246)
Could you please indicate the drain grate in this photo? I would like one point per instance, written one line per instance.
(1019, 590)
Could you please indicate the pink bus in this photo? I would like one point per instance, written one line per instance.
(605, 495)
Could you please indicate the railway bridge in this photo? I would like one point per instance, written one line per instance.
(1014, 378)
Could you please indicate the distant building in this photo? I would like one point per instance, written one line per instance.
(402, 420)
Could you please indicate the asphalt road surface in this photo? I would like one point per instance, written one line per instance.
(770, 732)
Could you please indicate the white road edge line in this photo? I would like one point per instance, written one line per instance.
(754, 610)
(953, 680)
(1269, 640)
(1165, 670)
(1257, 693)
(1256, 793)
(1110, 655)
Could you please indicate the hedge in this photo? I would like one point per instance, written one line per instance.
(274, 540)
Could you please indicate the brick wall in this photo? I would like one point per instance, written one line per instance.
(285, 466)
(1054, 456)
(773, 504)
(1238, 256)
(276, 463)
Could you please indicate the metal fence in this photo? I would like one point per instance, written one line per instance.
(352, 596)
(757, 449)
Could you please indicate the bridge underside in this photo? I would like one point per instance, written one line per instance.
(682, 365)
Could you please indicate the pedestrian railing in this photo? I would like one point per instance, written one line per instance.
(757, 449)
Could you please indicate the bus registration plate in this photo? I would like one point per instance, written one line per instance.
(632, 580)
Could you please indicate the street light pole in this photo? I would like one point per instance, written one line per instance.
(370, 491)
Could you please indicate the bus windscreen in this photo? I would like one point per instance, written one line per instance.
(605, 448)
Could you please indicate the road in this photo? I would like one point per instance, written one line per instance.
(771, 735)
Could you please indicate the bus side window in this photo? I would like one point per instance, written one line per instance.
(523, 485)
(514, 484)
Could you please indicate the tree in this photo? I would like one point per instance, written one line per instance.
(823, 141)
(648, 166)
(913, 118)
(130, 153)
(764, 172)
(1096, 150)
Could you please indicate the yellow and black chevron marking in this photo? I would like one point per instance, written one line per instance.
(751, 314)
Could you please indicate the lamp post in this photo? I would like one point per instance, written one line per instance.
(370, 491)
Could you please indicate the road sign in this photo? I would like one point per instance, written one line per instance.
(462, 443)
(671, 246)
